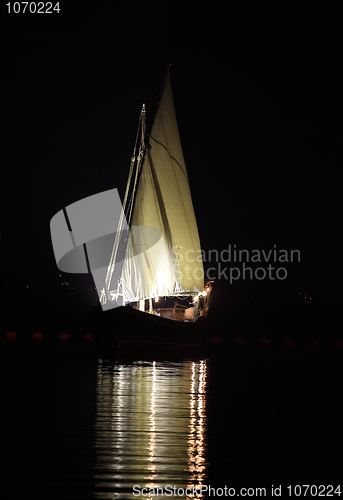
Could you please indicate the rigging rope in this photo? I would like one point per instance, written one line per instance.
(112, 262)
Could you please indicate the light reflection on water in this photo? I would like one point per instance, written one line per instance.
(150, 426)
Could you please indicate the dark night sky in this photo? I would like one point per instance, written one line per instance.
(257, 97)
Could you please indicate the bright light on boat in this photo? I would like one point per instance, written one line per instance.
(195, 298)
(204, 293)
(156, 299)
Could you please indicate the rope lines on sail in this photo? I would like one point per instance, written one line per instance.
(177, 182)
(172, 157)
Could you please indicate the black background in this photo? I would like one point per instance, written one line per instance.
(257, 96)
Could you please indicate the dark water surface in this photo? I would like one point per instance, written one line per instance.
(82, 424)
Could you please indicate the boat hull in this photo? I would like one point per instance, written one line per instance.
(129, 329)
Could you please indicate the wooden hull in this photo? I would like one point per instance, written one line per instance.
(129, 329)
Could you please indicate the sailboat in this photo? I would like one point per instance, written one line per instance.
(162, 257)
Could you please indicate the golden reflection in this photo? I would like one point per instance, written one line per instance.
(152, 440)
(150, 427)
(197, 427)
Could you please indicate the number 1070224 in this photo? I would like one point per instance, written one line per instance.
(33, 7)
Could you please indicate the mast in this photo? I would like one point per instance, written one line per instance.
(139, 159)
(127, 208)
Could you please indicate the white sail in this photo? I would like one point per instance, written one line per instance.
(163, 256)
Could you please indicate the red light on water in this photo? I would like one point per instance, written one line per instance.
(215, 340)
(288, 342)
(63, 336)
(313, 343)
(240, 341)
(37, 336)
(11, 335)
(264, 341)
